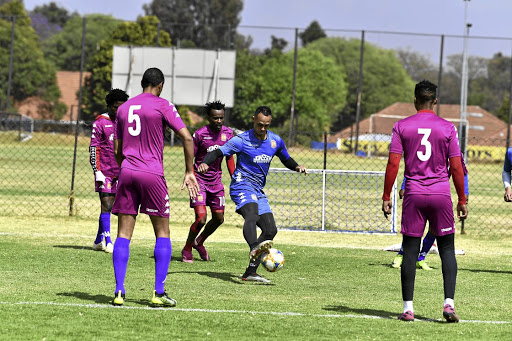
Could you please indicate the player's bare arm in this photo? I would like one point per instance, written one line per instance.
(118, 151)
(189, 181)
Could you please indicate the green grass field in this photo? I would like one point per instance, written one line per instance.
(333, 286)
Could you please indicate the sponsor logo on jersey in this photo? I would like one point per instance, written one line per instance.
(111, 137)
(273, 143)
(223, 137)
(254, 197)
(446, 229)
(200, 197)
(207, 138)
(212, 148)
(238, 177)
(108, 126)
(263, 158)
(151, 210)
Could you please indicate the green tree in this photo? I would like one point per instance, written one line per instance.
(417, 65)
(64, 48)
(313, 32)
(385, 81)
(267, 80)
(208, 24)
(140, 33)
(54, 14)
(32, 75)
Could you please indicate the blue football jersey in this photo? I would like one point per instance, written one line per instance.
(254, 156)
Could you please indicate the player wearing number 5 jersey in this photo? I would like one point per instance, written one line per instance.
(426, 141)
(138, 145)
(211, 193)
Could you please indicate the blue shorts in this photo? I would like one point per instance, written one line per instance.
(244, 194)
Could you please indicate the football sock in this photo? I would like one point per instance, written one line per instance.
(446, 247)
(199, 240)
(188, 246)
(408, 306)
(450, 302)
(163, 251)
(211, 226)
(411, 247)
(120, 260)
(250, 213)
(253, 266)
(99, 234)
(428, 241)
(105, 222)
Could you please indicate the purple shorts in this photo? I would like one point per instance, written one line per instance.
(141, 189)
(109, 186)
(437, 209)
(210, 195)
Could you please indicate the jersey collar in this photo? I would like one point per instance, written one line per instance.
(426, 111)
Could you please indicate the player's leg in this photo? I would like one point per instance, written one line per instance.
(442, 224)
(212, 225)
(197, 225)
(268, 228)
(428, 241)
(107, 200)
(121, 253)
(413, 226)
(215, 198)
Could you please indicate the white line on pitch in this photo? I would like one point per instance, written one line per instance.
(105, 306)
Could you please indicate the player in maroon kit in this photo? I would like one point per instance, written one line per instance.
(104, 165)
(426, 141)
(206, 139)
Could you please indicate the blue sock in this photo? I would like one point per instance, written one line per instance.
(99, 234)
(163, 251)
(120, 260)
(428, 241)
(105, 222)
(401, 252)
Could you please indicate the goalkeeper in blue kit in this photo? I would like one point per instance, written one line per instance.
(429, 238)
(255, 150)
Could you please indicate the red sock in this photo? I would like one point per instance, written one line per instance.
(199, 240)
(188, 246)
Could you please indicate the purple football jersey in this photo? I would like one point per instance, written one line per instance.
(140, 123)
(102, 138)
(426, 142)
(206, 140)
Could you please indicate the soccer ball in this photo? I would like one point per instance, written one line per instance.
(273, 260)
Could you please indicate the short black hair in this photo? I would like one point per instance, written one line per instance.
(116, 95)
(215, 105)
(425, 91)
(152, 77)
(264, 110)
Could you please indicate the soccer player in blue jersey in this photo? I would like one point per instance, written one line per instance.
(254, 149)
(429, 239)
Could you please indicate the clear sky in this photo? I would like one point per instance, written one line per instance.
(489, 18)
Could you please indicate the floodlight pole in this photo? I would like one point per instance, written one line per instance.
(463, 133)
(292, 108)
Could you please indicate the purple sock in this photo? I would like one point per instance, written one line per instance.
(120, 260)
(99, 234)
(105, 222)
(163, 250)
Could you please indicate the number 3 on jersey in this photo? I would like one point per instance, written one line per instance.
(133, 117)
(424, 142)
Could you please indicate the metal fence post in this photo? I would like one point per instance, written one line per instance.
(359, 91)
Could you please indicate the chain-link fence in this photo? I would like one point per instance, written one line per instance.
(44, 175)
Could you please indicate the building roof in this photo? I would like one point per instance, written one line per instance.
(483, 126)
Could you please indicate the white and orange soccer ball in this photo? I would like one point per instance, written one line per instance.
(272, 260)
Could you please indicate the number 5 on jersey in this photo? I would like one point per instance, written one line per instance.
(133, 117)
(424, 142)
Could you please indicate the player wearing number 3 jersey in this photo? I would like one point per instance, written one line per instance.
(426, 141)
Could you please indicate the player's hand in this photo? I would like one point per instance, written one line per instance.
(462, 211)
(301, 169)
(99, 177)
(386, 208)
(190, 182)
(401, 193)
(203, 168)
(508, 195)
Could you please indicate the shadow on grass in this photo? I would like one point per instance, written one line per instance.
(76, 247)
(101, 299)
(225, 276)
(486, 270)
(369, 312)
